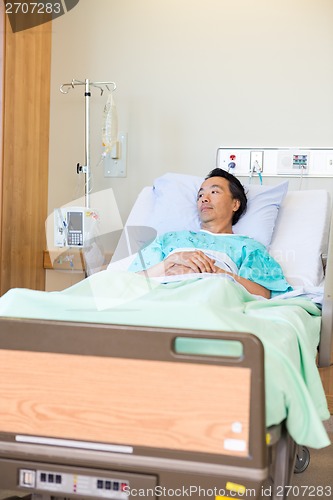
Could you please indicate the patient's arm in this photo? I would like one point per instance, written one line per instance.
(198, 262)
(251, 286)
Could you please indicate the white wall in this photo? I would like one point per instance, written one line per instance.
(191, 76)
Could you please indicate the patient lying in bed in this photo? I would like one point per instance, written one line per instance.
(221, 202)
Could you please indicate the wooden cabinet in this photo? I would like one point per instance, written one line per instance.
(26, 57)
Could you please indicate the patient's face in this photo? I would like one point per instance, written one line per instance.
(215, 201)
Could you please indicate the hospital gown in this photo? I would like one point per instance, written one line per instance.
(238, 254)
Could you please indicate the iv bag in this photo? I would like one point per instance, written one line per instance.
(110, 124)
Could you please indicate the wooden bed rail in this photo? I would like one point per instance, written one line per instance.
(131, 386)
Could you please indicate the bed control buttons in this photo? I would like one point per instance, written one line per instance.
(91, 483)
(115, 488)
(27, 478)
(111, 485)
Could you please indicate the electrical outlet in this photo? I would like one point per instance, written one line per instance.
(256, 161)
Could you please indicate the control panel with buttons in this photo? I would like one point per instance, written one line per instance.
(85, 483)
(63, 482)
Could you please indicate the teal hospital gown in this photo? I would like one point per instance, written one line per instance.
(248, 258)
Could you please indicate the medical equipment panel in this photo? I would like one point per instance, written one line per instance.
(74, 226)
(310, 162)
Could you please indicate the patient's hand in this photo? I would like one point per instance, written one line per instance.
(181, 269)
(182, 263)
(197, 262)
(191, 262)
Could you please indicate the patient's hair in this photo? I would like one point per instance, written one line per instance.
(236, 189)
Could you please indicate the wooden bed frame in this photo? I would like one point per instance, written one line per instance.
(118, 403)
(184, 420)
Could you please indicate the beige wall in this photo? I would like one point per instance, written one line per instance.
(191, 76)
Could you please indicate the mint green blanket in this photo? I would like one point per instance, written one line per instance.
(289, 330)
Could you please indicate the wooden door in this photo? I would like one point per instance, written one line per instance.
(24, 167)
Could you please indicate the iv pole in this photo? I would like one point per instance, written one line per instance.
(65, 88)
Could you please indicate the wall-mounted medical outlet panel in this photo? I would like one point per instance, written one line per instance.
(115, 163)
(311, 162)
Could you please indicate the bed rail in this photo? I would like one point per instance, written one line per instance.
(325, 350)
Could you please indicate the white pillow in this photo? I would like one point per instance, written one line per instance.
(175, 207)
(142, 208)
(137, 232)
(300, 252)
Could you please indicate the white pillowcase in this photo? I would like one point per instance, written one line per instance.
(300, 252)
(175, 207)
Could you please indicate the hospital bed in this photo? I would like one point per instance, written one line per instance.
(92, 406)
